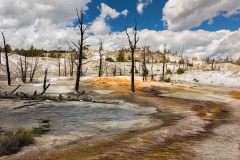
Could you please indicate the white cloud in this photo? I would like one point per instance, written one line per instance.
(140, 8)
(21, 13)
(99, 25)
(228, 45)
(107, 11)
(196, 43)
(142, 4)
(48, 30)
(42, 34)
(180, 15)
(125, 12)
(27, 22)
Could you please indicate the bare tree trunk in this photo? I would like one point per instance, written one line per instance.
(45, 79)
(22, 71)
(133, 46)
(106, 67)
(219, 67)
(25, 68)
(80, 43)
(71, 65)
(100, 58)
(152, 68)
(120, 71)
(1, 55)
(132, 74)
(164, 58)
(124, 69)
(34, 69)
(114, 71)
(212, 64)
(59, 67)
(139, 68)
(65, 67)
(144, 67)
(6, 56)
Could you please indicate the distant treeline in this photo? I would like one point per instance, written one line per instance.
(34, 52)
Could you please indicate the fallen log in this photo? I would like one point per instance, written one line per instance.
(16, 88)
(81, 93)
(35, 98)
(26, 105)
(45, 89)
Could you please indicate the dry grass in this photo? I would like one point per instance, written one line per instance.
(234, 94)
(11, 142)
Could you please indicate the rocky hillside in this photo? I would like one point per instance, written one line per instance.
(199, 73)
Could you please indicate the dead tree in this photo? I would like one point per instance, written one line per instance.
(59, 64)
(220, 63)
(45, 79)
(100, 58)
(65, 67)
(80, 47)
(1, 54)
(150, 54)
(144, 67)
(71, 65)
(133, 46)
(33, 69)
(114, 70)
(23, 69)
(212, 64)
(181, 61)
(164, 60)
(186, 63)
(6, 56)
(106, 68)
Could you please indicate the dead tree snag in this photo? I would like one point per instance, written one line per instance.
(100, 58)
(80, 47)
(6, 56)
(33, 69)
(1, 54)
(133, 46)
(45, 79)
(164, 60)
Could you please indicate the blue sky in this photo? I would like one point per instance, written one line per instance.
(151, 18)
(204, 27)
(220, 23)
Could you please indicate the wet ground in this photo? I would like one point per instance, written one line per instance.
(161, 121)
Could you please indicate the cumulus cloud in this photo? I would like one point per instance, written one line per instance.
(124, 12)
(48, 30)
(99, 25)
(45, 24)
(140, 8)
(196, 43)
(21, 13)
(42, 34)
(229, 45)
(186, 14)
(142, 4)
